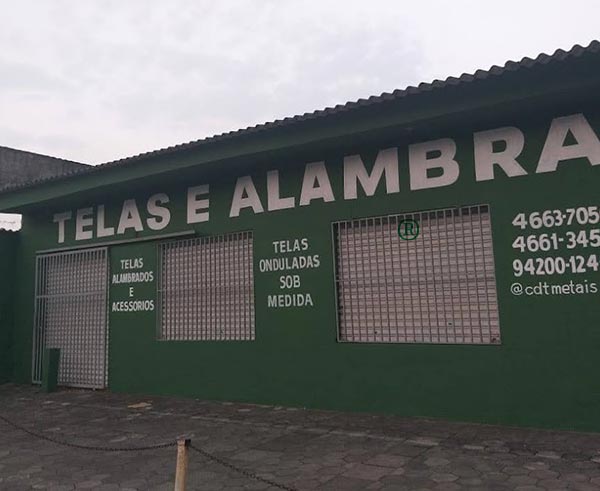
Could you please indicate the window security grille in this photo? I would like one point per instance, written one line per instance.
(207, 288)
(71, 314)
(438, 288)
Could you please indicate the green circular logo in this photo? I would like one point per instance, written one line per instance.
(408, 229)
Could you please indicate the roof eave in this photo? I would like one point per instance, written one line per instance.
(543, 82)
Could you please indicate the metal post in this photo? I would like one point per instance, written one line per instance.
(50, 369)
(182, 461)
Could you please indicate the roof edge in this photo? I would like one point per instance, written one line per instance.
(36, 154)
(494, 72)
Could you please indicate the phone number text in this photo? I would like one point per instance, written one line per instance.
(582, 215)
(545, 266)
(554, 241)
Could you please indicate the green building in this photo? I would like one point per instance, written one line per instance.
(429, 252)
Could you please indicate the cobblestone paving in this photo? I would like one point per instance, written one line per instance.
(301, 449)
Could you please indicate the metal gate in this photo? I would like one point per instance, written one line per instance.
(71, 314)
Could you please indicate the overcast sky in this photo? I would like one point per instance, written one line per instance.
(96, 81)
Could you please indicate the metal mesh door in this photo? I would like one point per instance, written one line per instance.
(439, 287)
(71, 314)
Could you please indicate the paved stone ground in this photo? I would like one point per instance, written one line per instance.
(301, 449)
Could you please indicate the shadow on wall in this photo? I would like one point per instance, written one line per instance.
(8, 241)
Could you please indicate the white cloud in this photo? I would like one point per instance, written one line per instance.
(96, 81)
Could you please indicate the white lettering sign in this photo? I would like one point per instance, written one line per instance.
(431, 164)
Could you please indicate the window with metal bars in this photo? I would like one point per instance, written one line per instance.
(206, 289)
(439, 287)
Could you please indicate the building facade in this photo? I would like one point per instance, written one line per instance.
(18, 167)
(429, 252)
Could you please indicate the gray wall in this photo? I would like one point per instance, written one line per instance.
(18, 167)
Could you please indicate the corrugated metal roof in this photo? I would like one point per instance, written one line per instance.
(493, 72)
(19, 167)
(43, 156)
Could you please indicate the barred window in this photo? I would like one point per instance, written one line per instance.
(436, 287)
(206, 288)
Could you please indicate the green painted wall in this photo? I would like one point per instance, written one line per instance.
(545, 372)
(8, 249)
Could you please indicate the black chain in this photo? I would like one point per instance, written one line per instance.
(97, 448)
(85, 447)
(239, 470)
